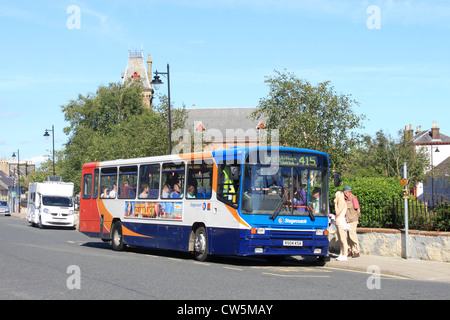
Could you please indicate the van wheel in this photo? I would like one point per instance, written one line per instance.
(201, 244)
(41, 226)
(117, 242)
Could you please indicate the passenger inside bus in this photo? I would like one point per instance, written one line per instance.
(127, 191)
(112, 193)
(190, 192)
(315, 200)
(176, 191)
(105, 193)
(144, 193)
(165, 191)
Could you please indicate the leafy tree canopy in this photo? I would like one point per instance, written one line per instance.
(113, 123)
(308, 116)
(383, 156)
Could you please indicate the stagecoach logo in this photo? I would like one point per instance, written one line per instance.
(290, 221)
(198, 205)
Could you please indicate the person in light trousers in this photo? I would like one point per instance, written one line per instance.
(353, 213)
(341, 220)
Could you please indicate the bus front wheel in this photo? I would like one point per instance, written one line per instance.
(117, 242)
(201, 244)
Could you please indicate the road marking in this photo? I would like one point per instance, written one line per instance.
(231, 268)
(365, 272)
(295, 275)
(293, 269)
(174, 259)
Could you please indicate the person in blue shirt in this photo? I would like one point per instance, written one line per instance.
(176, 191)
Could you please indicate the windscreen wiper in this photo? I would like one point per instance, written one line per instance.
(280, 206)
(311, 213)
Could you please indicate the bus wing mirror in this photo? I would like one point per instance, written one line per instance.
(337, 179)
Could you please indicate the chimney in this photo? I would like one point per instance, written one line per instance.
(149, 69)
(418, 129)
(409, 133)
(435, 131)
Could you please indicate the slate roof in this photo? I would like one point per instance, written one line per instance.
(442, 170)
(5, 181)
(222, 118)
(424, 137)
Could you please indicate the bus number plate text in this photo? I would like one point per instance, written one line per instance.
(292, 243)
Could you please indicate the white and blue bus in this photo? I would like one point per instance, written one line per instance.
(241, 201)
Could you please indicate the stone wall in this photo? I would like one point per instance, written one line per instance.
(423, 245)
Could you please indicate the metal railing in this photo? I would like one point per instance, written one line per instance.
(390, 213)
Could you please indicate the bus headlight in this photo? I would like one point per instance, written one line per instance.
(319, 232)
(70, 212)
(46, 210)
(257, 231)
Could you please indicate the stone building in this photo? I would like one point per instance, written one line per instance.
(136, 71)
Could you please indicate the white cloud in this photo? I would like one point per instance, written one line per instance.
(38, 159)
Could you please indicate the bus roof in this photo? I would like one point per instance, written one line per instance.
(233, 152)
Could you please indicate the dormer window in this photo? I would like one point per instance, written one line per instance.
(260, 126)
(200, 127)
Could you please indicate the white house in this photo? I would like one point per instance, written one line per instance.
(437, 146)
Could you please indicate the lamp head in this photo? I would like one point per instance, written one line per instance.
(156, 82)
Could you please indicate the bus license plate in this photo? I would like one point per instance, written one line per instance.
(292, 243)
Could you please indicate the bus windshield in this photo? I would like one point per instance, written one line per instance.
(291, 189)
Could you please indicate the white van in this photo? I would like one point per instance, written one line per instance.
(50, 203)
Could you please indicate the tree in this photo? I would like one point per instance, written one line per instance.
(313, 117)
(383, 156)
(111, 124)
(46, 169)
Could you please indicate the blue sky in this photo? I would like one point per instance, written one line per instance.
(392, 56)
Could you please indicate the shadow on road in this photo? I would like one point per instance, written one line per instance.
(218, 259)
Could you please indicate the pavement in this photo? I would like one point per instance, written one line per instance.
(398, 267)
(391, 266)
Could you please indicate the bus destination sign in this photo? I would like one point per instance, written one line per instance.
(287, 159)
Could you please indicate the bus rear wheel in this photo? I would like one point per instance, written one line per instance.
(201, 244)
(117, 241)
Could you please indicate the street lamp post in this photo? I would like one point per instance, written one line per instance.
(156, 82)
(18, 175)
(432, 174)
(53, 135)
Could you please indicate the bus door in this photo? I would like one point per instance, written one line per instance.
(90, 219)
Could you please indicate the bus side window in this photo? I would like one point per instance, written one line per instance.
(149, 177)
(228, 183)
(108, 183)
(127, 182)
(87, 186)
(199, 181)
(172, 180)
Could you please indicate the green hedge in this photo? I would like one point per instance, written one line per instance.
(370, 188)
(382, 206)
